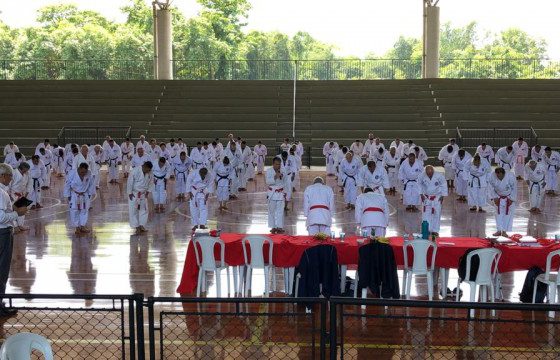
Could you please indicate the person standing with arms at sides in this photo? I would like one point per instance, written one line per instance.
(181, 168)
(318, 205)
(391, 162)
(197, 157)
(535, 177)
(367, 145)
(139, 185)
(223, 173)
(261, 152)
(446, 157)
(503, 192)
(161, 172)
(329, 151)
(153, 151)
(79, 189)
(357, 148)
(69, 160)
(233, 153)
(200, 186)
(246, 161)
(349, 170)
(285, 146)
(127, 150)
(181, 146)
(10, 148)
(520, 151)
(551, 161)
(398, 145)
(372, 212)
(96, 166)
(407, 149)
(173, 150)
(142, 143)
(299, 153)
(58, 161)
(433, 189)
(486, 152)
(8, 215)
(38, 174)
(216, 154)
(278, 184)
(139, 158)
(47, 159)
(163, 152)
(459, 163)
(505, 158)
(409, 172)
(113, 160)
(476, 175)
(20, 186)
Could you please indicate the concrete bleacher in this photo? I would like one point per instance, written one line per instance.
(427, 111)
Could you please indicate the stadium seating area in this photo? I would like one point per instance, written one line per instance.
(427, 111)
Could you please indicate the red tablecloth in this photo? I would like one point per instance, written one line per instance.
(288, 250)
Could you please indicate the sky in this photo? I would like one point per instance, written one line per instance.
(355, 27)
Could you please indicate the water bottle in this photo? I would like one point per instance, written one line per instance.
(342, 235)
(425, 230)
(333, 235)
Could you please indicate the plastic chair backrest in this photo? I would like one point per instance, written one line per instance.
(206, 260)
(256, 244)
(488, 266)
(549, 259)
(420, 249)
(20, 346)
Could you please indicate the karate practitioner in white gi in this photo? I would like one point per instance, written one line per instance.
(98, 158)
(374, 177)
(38, 174)
(398, 145)
(391, 163)
(503, 192)
(58, 161)
(200, 185)
(223, 173)
(79, 189)
(10, 148)
(139, 158)
(476, 175)
(197, 157)
(14, 159)
(446, 157)
(299, 153)
(261, 152)
(551, 162)
(433, 190)
(246, 162)
(372, 212)
(318, 206)
(181, 168)
(47, 159)
(520, 151)
(535, 175)
(459, 163)
(409, 172)
(43, 145)
(505, 157)
(20, 186)
(127, 150)
(142, 143)
(277, 183)
(113, 160)
(233, 153)
(69, 159)
(486, 152)
(357, 148)
(537, 153)
(329, 151)
(367, 145)
(161, 171)
(153, 151)
(173, 150)
(349, 171)
(139, 185)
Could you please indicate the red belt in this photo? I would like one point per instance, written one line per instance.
(373, 209)
(319, 207)
(431, 198)
(508, 204)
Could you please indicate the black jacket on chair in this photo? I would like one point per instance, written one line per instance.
(318, 265)
(377, 269)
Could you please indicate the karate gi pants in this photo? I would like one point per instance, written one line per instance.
(180, 183)
(234, 185)
(112, 171)
(199, 211)
(276, 214)
(35, 194)
(431, 212)
(260, 163)
(519, 166)
(125, 165)
(536, 194)
(160, 192)
(222, 193)
(393, 179)
(79, 210)
(476, 196)
(331, 168)
(138, 211)
(504, 217)
(48, 175)
(460, 185)
(350, 191)
(449, 173)
(411, 194)
(243, 177)
(316, 228)
(551, 179)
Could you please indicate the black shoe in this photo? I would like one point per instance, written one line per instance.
(7, 312)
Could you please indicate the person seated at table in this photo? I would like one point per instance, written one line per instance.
(372, 212)
(278, 184)
(318, 205)
(433, 189)
(535, 177)
(503, 192)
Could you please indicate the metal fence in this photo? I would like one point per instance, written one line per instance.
(245, 328)
(84, 327)
(328, 69)
(389, 329)
(471, 138)
(92, 135)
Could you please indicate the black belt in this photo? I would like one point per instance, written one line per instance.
(391, 166)
(113, 160)
(348, 176)
(477, 178)
(36, 184)
(220, 178)
(182, 173)
(554, 166)
(535, 183)
(47, 164)
(406, 183)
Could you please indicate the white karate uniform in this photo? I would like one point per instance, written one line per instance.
(299, 154)
(318, 205)
(552, 164)
(407, 149)
(421, 155)
(506, 191)
(285, 147)
(537, 155)
(143, 144)
(434, 190)
(127, 150)
(182, 147)
(80, 192)
(163, 153)
(139, 185)
(367, 145)
(536, 179)
(398, 147)
(208, 154)
(378, 180)
(447, 158)
(459, 165)
(198, 159)
(8, 149)
(520, 151)
(38, 174)
(223, 175)
(408, 175)
(199, 189)
(349, 172)
(112, 158)
(153, 152)
(47, 160)
(477, 182)
(289, 169)
(235, 160)
(293, 169)
(42, 146)
(357, 148)
(173, 150)
(276, 198)
(161, 176)
(68, 163)
(504, 159)
(329, 153)
(486, 153)
(58, 160)
(96, 166)
(181, 170)
(138, 161)
(11, 160)
(372, 213)
(20, 186)
(391, 165)
(247, 161)
(79, 159)
(374, 151)
(261, 152)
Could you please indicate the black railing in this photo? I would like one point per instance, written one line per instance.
(471, 138)
(92, 135)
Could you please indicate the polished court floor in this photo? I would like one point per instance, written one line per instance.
(50, 259)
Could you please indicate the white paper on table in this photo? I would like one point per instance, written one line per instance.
(502, 239)
(527, 239)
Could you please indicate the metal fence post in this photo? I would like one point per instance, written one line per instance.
(132, 328)
(151, 328)
(323, 327)
(139, 299)
(332, 334)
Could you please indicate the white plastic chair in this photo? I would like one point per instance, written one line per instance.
(20, 346)
(550, 278)
(256, 245)
(207, 262)
(419, 265)
(485, 276)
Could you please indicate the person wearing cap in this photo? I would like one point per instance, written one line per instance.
(372, 212)
(520, 153)
(318, 207)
